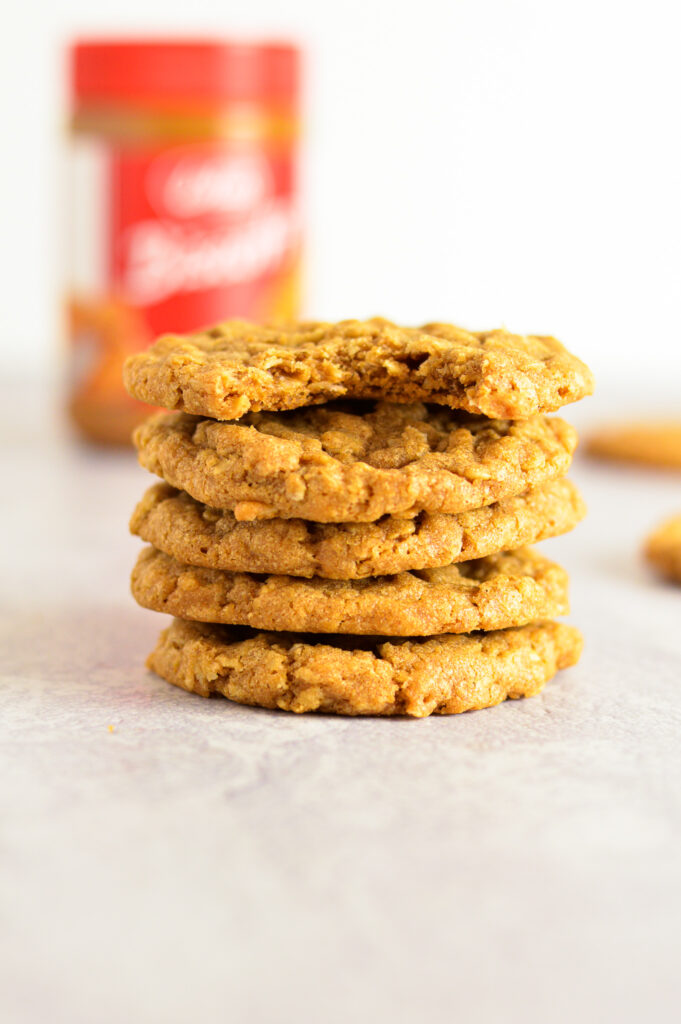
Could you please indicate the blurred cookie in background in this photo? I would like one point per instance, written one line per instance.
(663, 549)
(646, 442)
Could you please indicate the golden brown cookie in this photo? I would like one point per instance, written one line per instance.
(235, 367)
(495, 592)
(653, 443)
(663, 549)
(197, 534)
(364, 675)
(353, 462)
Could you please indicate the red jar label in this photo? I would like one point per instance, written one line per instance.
(171, 239)
(201, 233)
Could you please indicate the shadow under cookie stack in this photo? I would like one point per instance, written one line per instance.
(328, 542)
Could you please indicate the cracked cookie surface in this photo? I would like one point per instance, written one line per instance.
(197, 534)
(353, 462)
(502, 590)
(234, 367)
(364, 675)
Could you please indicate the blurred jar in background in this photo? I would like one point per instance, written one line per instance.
(183, 205)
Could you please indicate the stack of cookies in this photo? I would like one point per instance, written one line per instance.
(345, 511)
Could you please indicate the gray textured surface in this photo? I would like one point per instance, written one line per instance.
(209, 862)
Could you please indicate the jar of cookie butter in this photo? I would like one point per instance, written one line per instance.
(183, 206)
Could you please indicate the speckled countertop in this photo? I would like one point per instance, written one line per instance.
(203, 861)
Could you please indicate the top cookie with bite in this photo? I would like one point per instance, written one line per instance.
(238, 367)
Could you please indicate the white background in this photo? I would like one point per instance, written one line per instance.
(482, 161)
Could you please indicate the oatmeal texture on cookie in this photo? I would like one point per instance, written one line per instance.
(237, 367)
(663, 549)
(354, 462)
(197, 534)
(364, 675)
(502, 590)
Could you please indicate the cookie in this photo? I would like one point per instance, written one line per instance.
(365, 675)
(653, 443)
(351, 462)
(507, 589)
(663, 549)
(197, 534)
(236, 366)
